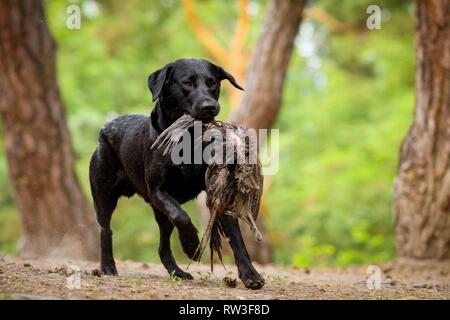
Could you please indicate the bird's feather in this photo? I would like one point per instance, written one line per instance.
(233, 188)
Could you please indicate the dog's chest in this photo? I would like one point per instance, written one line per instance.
(185, 182)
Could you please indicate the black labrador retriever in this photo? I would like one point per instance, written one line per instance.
(124, 164)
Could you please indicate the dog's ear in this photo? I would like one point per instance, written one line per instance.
(157, 80)
(225, 75)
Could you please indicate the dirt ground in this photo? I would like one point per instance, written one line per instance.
(400, 279)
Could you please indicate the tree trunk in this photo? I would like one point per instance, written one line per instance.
(264, 88)
(265, 78)
(57, 219)
(422, 187)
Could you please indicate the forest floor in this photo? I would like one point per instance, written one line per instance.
(400, 279)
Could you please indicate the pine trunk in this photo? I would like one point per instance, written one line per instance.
(264, 88)
(57, 219)
(422, 187)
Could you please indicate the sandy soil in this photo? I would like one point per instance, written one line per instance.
(401, 279)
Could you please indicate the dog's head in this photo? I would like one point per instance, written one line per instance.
(189, 86)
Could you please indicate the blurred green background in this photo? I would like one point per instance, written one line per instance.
(347, 105)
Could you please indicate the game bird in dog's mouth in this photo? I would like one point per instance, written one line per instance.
(233, 181)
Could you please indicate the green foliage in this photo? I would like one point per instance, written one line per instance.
(347, 105)
(341, 127)
(10, 229)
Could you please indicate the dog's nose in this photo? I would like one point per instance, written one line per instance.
(210, 107)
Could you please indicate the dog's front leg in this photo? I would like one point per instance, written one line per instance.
(156, 172)
(248, 274)
(187, 232)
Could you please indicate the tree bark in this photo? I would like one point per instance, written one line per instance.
(57, 219)
(265, 79)
(264, 88)
(422, 187)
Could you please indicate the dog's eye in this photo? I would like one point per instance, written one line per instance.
(211, 82)
(187, 83)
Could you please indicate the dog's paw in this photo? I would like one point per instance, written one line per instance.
(190, 242)
(181, 275)
(190, 249)
(253, 281)
(109, 270)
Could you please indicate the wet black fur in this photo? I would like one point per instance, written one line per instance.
(124, 164)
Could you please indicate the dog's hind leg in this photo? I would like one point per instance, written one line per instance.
(103, 178)
(165, 253)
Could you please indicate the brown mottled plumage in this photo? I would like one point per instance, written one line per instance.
(232, 187)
